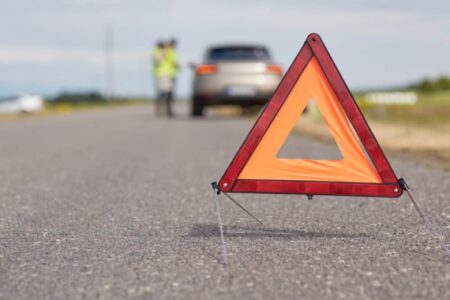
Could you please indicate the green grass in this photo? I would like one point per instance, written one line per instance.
(67, 107)
(70, 107)
(432, 108)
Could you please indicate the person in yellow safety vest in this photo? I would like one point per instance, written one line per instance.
(162, 77)
(172, 58)
(165, 70)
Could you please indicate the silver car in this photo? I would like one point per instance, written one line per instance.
(236, 74)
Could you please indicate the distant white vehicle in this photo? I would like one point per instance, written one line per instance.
(22, 103)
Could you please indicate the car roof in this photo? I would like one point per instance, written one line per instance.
(232, 46)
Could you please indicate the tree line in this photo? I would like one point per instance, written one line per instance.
(431, 85)
(78, 97)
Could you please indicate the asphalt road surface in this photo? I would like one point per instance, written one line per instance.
(116, 204)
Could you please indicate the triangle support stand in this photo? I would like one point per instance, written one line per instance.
(216, 192)
(243, 208)
(431, 227)
(242, 176)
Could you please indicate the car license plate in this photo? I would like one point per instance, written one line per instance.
(241, 91)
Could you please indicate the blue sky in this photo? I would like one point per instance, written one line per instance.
(47, 46)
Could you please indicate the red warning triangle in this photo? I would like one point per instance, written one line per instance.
(256, 167)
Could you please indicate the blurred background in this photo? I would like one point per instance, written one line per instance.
(392, 54)
(51, 46)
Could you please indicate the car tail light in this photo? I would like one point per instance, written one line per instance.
(206, 69)
(274, 69)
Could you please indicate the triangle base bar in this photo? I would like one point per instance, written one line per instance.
(390, 190)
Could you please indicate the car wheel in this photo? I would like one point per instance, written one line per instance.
(197, 107)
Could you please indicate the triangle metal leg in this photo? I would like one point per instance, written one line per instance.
(431, 227)
(243, 208)
(219, 220)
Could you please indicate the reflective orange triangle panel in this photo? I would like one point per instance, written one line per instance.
(355, 165)
(363, 169)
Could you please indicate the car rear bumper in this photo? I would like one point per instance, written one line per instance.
(242, 101)
(235, 88)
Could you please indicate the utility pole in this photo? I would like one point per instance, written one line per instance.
(109, 63)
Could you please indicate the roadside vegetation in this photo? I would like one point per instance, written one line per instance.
(67, 102)
(432, 85)
(421, 129)
(432, 106)
(431, 109)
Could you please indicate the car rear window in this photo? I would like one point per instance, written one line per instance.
(238, 53)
